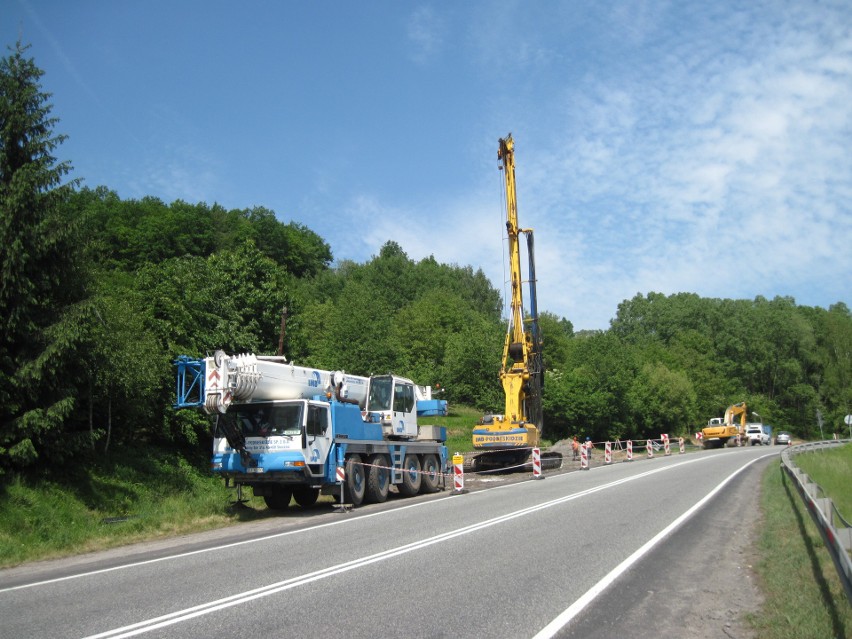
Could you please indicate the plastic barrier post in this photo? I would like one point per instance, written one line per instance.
(629, 450)
(650, 448)
(537, 463)
(608, 453)
(458, 474)
(681, 445)
(666, 444)
(584, 458)
(340, 475)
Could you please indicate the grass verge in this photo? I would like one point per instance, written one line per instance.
(459, 423)
(832, 470)
(110, 502)
(803, 595)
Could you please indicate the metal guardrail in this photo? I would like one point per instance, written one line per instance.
(835, 530)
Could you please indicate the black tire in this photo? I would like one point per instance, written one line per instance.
(356, 484)
(306, 496)
(378, 479)
(430, 480)
(411, 478)
(279, 498)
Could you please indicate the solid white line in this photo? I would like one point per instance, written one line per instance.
(179, 616)
(575, 608)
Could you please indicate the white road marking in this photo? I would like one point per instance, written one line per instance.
(575, 608)
(179, 616)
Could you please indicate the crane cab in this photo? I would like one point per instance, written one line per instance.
(391, 402)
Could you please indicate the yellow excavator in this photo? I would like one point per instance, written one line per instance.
(506, 441)
(721, 431)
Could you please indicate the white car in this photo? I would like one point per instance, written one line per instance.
(757, 436)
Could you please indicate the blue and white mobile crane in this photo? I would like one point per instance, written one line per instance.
(284, 430)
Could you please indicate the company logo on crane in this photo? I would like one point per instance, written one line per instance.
(314, 381)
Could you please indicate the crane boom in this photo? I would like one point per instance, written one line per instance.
(510, 437)
(520, 348)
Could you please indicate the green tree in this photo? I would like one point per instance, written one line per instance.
(833, 333)
(40, 279)
(663, 400)
(230, 300)
(420, 331)
(293, 246)
(557, 335)
(471, 371)
(588, 395)
(125, 367)
(193, 306)
(354, 333)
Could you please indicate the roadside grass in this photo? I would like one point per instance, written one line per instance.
(459, 424)
(803, 594)
(110, 502)
(832, 470)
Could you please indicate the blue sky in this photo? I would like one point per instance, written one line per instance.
(660, 146)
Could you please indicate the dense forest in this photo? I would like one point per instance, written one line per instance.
(99, 295)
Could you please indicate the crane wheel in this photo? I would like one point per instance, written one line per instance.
(356, 483)
(306, 496)
(278, 498)
(431, 479)
(411, 478)
(378, 479)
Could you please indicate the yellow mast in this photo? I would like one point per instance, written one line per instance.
(514, 367)
(508, 440)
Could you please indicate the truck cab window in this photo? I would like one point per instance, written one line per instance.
(287, 419)
(380, 393)
(403, 398)
(263, 420)
(317, 420)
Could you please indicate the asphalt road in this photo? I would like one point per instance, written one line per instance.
(575, 554)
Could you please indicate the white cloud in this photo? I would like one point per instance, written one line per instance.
(425, 33)
(702, 173)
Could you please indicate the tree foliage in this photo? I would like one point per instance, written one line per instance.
(128, 234)
(786, 361)
(40, 279)
(99, 295)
